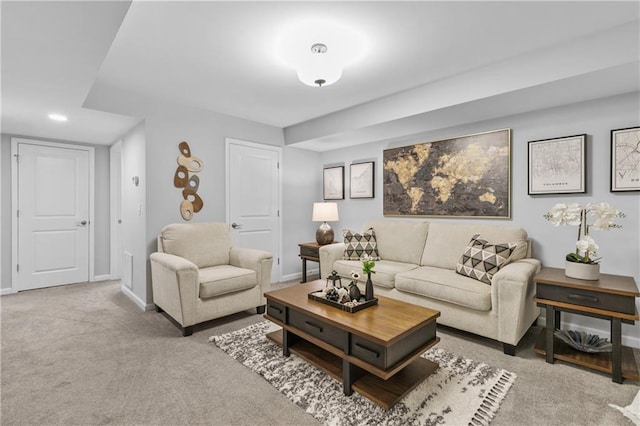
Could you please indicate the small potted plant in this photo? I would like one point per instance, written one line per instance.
(367, 268)
(582, 263)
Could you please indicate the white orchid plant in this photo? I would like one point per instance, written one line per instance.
(577, 215)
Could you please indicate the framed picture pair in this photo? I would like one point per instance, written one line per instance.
(361, 184)
(558, 166)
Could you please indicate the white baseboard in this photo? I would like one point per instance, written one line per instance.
(298, 275)
(627, 340)
(104, 277)
(131, 295)
(5, 291)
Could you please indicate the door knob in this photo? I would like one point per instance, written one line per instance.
(81, 223)
(236, 226)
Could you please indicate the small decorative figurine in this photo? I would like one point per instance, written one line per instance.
(333, 278)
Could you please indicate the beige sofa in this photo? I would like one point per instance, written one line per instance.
(197, 275)
(418, 265)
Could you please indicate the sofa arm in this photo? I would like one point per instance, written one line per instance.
(328, 255)
(512, 292)
(258, 260)
(174, 281)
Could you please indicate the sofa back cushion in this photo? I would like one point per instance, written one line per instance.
(205, 244)
(400, 241)
(446, 242)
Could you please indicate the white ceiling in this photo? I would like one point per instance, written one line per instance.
(219, 56)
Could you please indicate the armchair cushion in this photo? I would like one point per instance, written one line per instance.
(204, 244)
(224, 279)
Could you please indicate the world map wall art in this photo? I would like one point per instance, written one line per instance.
(465, 176)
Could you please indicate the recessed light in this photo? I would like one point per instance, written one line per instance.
(57, 117)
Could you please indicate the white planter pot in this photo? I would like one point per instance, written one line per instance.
(582, 271)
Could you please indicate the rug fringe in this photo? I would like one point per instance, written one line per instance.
(489, 406)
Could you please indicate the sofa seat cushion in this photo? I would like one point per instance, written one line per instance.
(385, 275)
(445, 285)
(218, 280)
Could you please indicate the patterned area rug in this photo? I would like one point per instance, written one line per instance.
(460, 392)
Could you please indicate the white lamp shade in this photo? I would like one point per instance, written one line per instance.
(325, 212)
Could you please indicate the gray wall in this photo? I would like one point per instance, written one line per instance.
(101, 213)
(166, 125)
(133, 197)
(301, 186)
(619, 248)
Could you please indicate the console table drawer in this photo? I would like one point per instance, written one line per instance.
(326, 333)
(277, 311)
(591, 299)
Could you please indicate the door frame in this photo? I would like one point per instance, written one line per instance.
(227, 176)
(115, 195)
(14, 201)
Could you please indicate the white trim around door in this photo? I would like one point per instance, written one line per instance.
(15, 142)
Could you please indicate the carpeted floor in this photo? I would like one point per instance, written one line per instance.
(85, 354)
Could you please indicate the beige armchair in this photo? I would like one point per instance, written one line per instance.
(198, 276)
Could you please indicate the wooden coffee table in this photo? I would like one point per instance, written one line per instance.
(375, 351)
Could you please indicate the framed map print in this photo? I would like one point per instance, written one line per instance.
(625, 159)
(333, 183)
(558, 166)
(465, 176)
(361, 184)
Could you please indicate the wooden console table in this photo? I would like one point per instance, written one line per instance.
(612, 298)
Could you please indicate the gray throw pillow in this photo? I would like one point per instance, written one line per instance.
(482, 260)
(358, 245)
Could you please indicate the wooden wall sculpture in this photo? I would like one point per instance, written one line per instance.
(187, 163)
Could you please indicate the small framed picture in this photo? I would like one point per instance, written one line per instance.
(625, 159)
(361, 184)
(558, 166)
(333, 183)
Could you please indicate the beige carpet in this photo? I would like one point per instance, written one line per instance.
(85, 354)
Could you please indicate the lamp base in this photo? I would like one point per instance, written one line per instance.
(324, 234)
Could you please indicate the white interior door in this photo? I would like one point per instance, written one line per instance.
(253, 197)
(53, 216)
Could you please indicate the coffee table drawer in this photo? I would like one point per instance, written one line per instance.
(387, 357)
(591, 299)
(276, 310)
(368, 351)
(326, 333)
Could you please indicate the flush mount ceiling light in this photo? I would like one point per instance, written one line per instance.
(57, 117)
(319, 50)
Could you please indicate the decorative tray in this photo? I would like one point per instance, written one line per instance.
(361, 304)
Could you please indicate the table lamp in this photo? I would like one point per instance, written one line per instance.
(325, 212)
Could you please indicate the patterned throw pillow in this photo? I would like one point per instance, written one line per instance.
(482, 260)
(357, 245)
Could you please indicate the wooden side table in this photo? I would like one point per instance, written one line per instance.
(308, 251)
(612, 298)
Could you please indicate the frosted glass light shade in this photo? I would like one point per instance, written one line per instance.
(325, 212)
(344, 46)
(312, 73)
